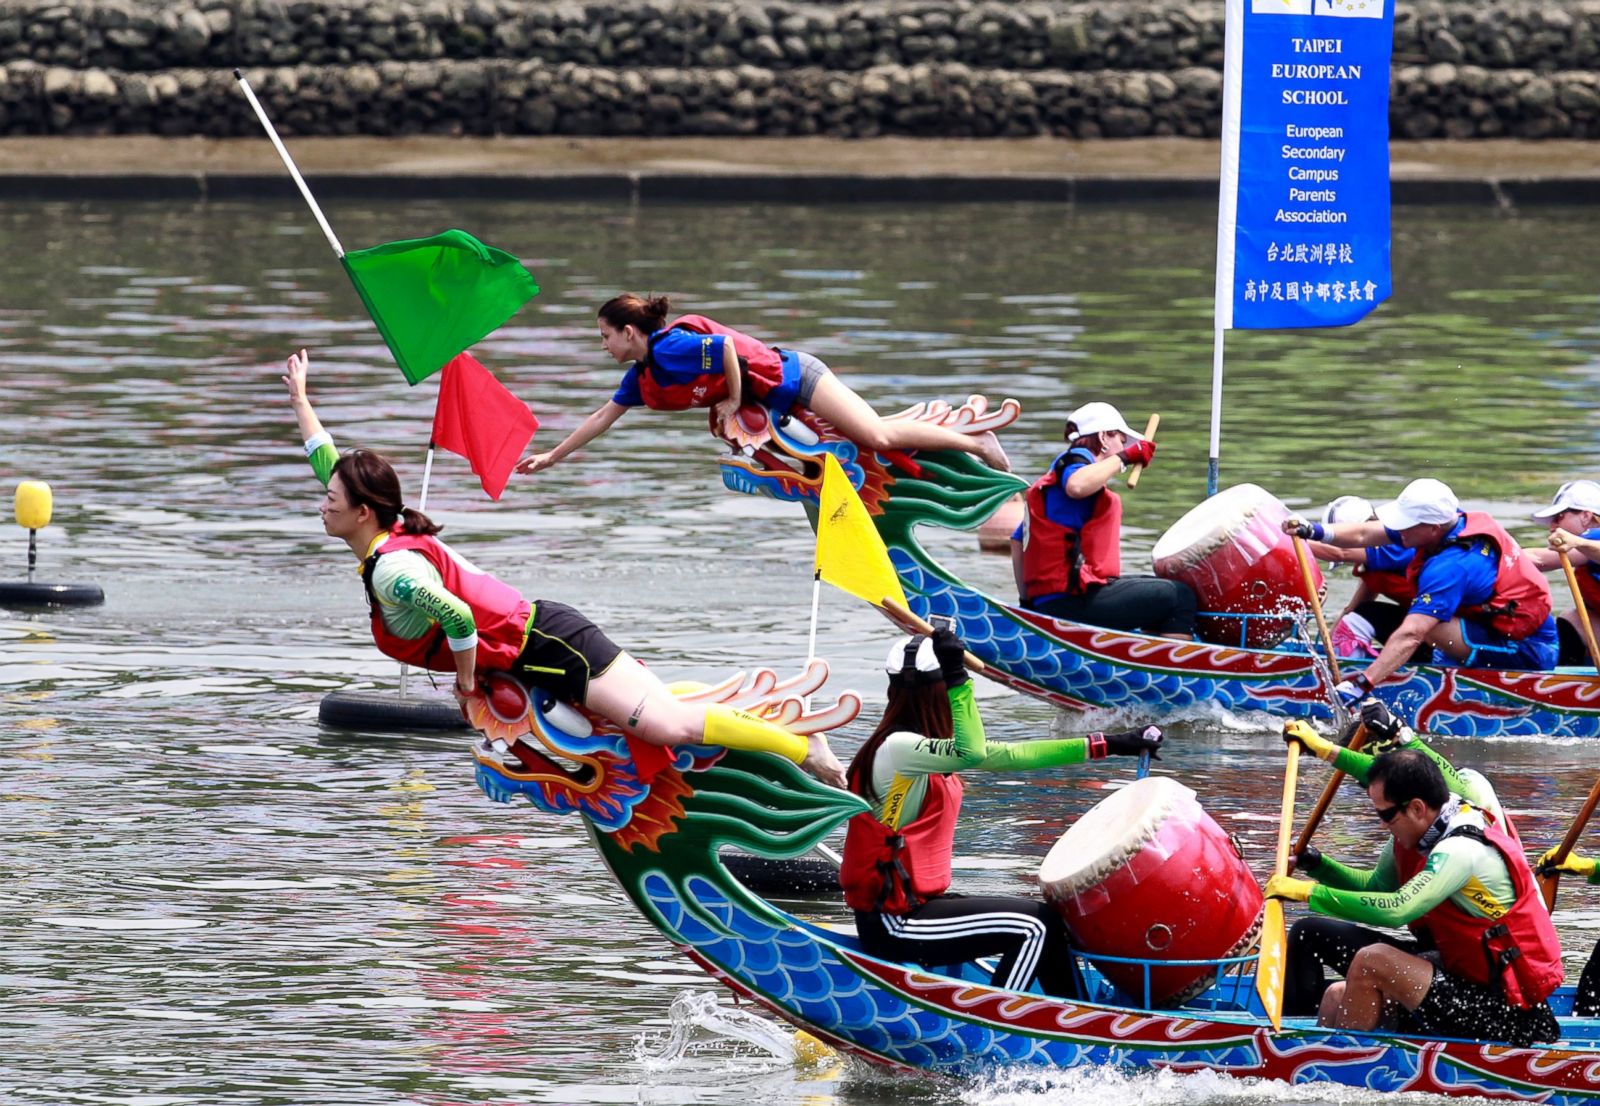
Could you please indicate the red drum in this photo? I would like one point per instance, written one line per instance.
(1233, 552)
(1148, 875)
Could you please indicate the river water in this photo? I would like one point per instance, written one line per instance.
(210, 899)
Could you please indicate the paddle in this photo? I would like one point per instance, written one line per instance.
(1582, 609)
(1149, 435)
(852, 557)
(1549, 883)
(1326, 799)
(1304, 556)
(1273, 961)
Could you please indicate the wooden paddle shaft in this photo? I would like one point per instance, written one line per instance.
(1310, 577)
(1582, 609)
(906, 618)
(1549, 883)
(1149, 434)
(1291, 776)
(1358, 739)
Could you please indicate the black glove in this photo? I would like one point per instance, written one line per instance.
(1382, 727)
(1128, 743)
(1306, 531)
(1308, 859)
(950, 651)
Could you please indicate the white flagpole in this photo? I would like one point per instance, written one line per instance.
(300, 183)
(1227, 220)
(422, 505)
(811, 638)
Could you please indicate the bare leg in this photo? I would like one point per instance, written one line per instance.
(1448, 637)
(1381, 974)
(633, 697)
(835, 401)
(1332, 999)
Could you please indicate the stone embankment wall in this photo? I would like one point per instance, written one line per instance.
(1126, 68)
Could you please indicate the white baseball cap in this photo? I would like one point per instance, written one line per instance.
(1574, 495)
(1347, 508)
(1422, 501)
(1092, 418)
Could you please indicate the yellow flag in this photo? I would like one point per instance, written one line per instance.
(850, 554)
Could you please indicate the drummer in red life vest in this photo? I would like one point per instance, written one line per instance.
(1383, 590)
(1451, 874)
(896, 869)
(433, 608)
(694, 361)
(1066, 554)
(1480, 601)
(1574, 511)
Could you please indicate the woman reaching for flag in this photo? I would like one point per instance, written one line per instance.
(698, 362)
(433, 608)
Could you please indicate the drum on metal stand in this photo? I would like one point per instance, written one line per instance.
(1231, 549)
(1148, 875)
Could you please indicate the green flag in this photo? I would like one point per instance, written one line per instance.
(434, 297)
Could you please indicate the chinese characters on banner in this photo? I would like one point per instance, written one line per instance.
(1303, 233)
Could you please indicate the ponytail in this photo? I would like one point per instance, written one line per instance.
(647, 314)
(370, 481)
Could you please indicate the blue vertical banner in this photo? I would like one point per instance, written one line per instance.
(1303, 223)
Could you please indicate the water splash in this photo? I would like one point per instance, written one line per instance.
(700, 1024)
(1096, 1086)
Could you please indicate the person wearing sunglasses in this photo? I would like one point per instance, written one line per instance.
(1464, 888)
(1573, 513)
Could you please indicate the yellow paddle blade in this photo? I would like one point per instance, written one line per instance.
(33, 504)
(1270, 968)
(850, 554)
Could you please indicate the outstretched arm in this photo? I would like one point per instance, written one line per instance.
(588, 430)
(294, 379)
(320, 451)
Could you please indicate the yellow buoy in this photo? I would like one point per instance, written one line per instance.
(33, 504)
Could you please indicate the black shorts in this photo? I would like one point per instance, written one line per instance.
(564, 652)
(1457, 1007)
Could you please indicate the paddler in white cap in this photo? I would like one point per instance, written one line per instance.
(1383, 590)
(1574, 512)
(1067, 553)
(1481, 602)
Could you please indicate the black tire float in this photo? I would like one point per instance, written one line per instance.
(388, 712)
(795, 875)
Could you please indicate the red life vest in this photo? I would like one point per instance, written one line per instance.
(1398, 586)
(1058, 560)
(761, 364)
(887, 871)
(1589, 586)
(500, 611)
(1518, 952)
(1521, 599)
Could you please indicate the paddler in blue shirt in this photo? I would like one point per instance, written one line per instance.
(1481, 602)
(1574, 512)
(1067, 552)
(694, 362)
(1383, 590)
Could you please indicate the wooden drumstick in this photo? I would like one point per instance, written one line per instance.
(1149, 436)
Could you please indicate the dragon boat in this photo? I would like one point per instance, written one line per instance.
(660, 828)
(1077, 666)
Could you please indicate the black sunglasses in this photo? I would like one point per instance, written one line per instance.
(1390, 813)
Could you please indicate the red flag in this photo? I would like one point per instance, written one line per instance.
(480, 420)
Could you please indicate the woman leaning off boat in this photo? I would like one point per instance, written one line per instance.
(433, 608)
(1067, 552)
(694, 361)
(896, 871)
